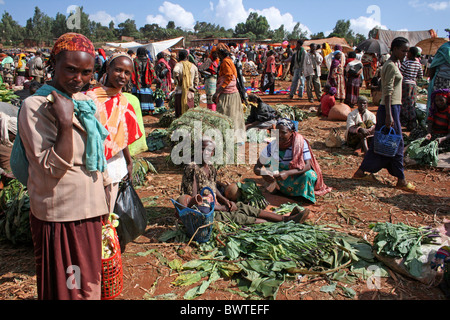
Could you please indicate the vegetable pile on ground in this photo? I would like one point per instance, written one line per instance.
(141, 167)
(15, 214)
(403, 241)
(251, 194)
(291, 112)
(197, 122)
(7, 95)
(263, 256)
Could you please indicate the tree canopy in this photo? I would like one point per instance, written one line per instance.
(43, 28)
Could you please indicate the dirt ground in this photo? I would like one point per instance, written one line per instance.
(149, 277)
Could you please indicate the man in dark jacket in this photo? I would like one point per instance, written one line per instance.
(262, 116)
(296, 70)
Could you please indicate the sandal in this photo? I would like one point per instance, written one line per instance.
(367, 177)
(408, 188)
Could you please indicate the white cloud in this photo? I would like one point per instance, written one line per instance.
(363, 25)
(436, 6)
(105, 18)
(231, 12)
(172, 12)
(439, 6)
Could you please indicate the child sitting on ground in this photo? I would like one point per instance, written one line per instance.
(327, 101)
(197, 176)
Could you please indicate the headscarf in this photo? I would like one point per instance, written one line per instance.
(297, 142)
(73, 42)
(21, 61)
(332, 91)
(223, 47)
(442, 57)
(111, 59)
(441, 92)
(327, 49)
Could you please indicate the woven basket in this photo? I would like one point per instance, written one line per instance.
(196, 222)
(112, 272)
(387, 144)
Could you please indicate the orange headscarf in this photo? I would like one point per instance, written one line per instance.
(73, 42)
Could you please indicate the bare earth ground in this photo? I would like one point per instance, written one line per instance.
(353, 205)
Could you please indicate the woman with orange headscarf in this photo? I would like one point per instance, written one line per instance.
(64, 145)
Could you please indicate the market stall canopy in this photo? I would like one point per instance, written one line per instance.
(154, 48)
(331, 41)
(430, 46)
(414, 37)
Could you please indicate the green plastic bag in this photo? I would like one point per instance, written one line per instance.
(425, 152)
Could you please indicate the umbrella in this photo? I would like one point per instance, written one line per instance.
(430, 46)
(373, 46)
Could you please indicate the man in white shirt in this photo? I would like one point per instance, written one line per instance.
(360, 126)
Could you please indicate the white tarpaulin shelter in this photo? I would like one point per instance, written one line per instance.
(154, 48)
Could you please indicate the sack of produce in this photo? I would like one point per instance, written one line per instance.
(339, 112)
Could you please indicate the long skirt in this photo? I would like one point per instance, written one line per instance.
(145, 96)
(68, 259)
(373, 162)
(408, 116)
(210, 88)
(352, 90)
(299, 186)
(230, 104)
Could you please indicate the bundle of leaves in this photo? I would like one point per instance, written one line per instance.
(256, 135)
(290, 112)
(142, 167)
(424, 151)
(403, 241)
(157, 140)
(251, 194)
(166, 120)
(15, 214)
(7, 95)
(263, 256)
(210, 123)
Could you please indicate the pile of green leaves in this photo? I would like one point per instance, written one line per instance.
(291, 112)
(424, 151)
(15, 214)
(210, 121)
(263, 256)
(7, 95)
(141, 167)
(285, 208)
(158, 139)
(251, 194)
(402, 241)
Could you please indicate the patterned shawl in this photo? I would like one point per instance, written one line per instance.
(136, 77)
(118, 117)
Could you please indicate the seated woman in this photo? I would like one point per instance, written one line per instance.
(360, 127)
(327, 101)
(291, 164)
(198, 176)
(262, 116)
(439, 119)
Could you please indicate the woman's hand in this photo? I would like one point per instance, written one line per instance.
(283, 175)
(389, 120)
(231, 206)
(62, 109)
(428, 136)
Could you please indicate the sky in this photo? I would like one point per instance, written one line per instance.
(314, 16)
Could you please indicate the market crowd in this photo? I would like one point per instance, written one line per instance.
(86, 156)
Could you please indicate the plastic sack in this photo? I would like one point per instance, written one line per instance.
(132, 214)
(18, 160)
(339, 112)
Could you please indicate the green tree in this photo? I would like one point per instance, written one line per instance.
(39, 27)
(297, 32)
(59, 25)
(256, 24)
(128, 29)
(10, 30)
